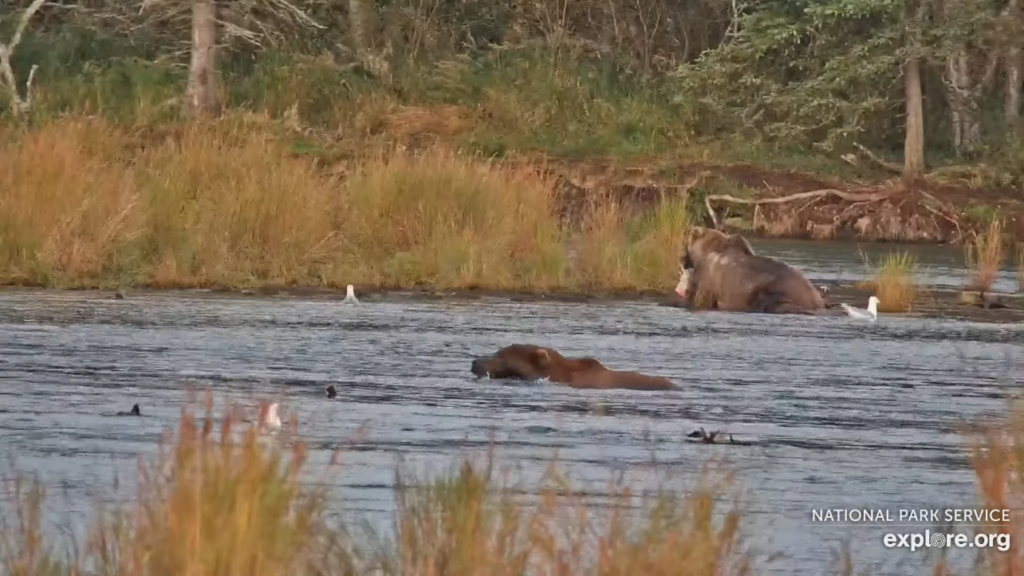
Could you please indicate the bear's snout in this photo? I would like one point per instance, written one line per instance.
(479, 367)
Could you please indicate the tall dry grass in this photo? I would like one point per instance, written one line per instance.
(998, 461)
(984, 256)
(230, 502)
(228, 203)
(222, 499)
(893, 281)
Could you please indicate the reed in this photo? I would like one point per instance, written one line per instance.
(224, 499)
(228, 203)
(230, 501)
(1020, 267)
(984, 256)
(998, 461)
(893, 281)
(216, 502)
(23, 548)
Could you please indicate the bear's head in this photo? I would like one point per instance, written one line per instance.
(529, 362)
(704, 242)
(517, 361)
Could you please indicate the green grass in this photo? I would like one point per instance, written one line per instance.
(492, 102)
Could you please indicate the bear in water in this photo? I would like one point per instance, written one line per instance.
(721, 272)
(529, 362)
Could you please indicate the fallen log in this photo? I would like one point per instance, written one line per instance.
(812, 195)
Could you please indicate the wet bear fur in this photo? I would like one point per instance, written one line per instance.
(529, 362)
(720, 271)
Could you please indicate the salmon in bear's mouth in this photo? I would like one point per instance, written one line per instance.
(684, 280)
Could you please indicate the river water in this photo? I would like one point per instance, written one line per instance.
(939, 266)
(843, 414)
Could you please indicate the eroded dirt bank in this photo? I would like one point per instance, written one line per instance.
(767, 203)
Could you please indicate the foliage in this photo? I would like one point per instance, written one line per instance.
(570, 77)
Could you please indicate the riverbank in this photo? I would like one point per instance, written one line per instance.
(945, 208)
(929, 303)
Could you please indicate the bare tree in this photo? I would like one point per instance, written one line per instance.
(201, 94)
(913, 137)
(1014, 65)
(913, 141)
(19, 105)
(251, 21)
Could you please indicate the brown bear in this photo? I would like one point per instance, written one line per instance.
(529, 362)
(720, 271)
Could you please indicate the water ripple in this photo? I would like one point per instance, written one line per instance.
(851, 413)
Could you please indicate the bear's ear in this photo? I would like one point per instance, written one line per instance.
(542, 356)
(697, 232)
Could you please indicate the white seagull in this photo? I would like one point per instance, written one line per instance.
(870, 314)
(270, 420)
(350, 295)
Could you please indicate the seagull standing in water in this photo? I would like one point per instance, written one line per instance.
(270, 420)
(350, 295)
(870, 314)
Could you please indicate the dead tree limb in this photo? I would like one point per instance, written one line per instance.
(896, 168)
(19, 106)
(944, 211)
(682, 191)
(814, 194)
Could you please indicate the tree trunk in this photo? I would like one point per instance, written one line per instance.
(1013, 81)
(357, 27)
(963, 105)
(361, 20)
(913, 143)
(201, 94)
(1014, 64)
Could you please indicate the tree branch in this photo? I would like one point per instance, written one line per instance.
(814, 194)
(878, 159)
(18, 106)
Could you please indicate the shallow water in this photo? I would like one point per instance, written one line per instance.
(845, 414)
(939, 266)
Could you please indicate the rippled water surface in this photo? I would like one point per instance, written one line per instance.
(940, 266)
(844, 414)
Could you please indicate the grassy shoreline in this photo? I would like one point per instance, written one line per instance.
(229, 203)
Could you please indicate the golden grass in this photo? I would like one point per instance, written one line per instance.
(227, 203)
(984, 255)
(998, 461)
(230, 502)
(224, 500)
(893, 281)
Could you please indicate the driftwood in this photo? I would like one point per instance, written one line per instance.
(812, 195)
